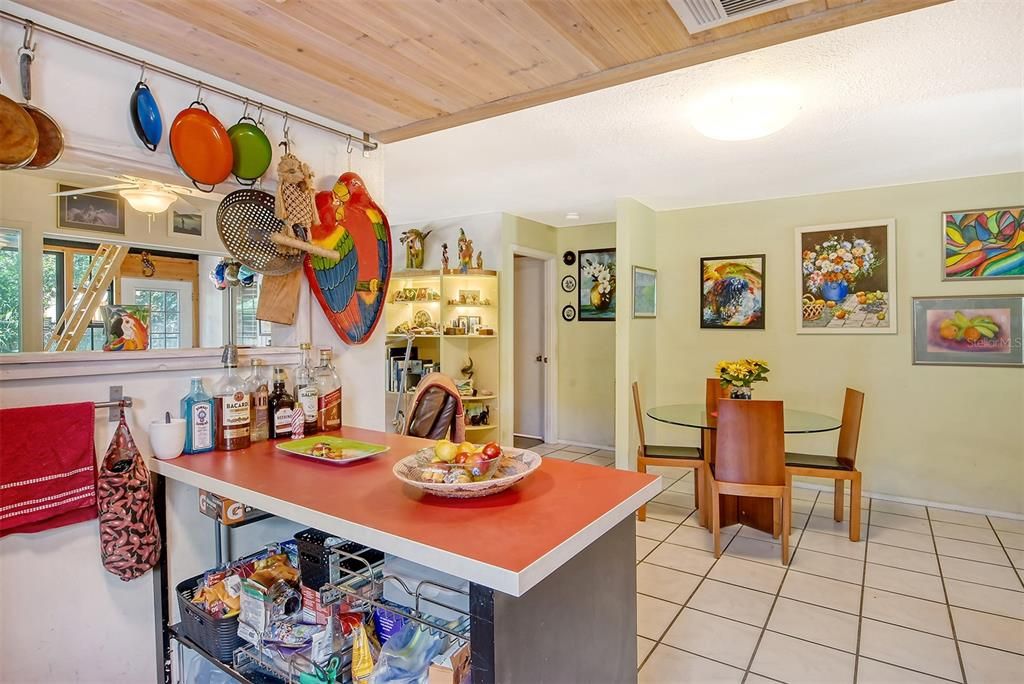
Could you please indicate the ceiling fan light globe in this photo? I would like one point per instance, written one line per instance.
(149, 201)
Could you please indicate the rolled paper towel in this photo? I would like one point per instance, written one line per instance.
(298, 423)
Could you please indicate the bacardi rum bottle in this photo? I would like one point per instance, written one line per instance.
(231, 404)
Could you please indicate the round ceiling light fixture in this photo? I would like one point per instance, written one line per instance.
(149, 200)
(745, 112)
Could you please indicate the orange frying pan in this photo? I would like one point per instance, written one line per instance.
(19, 137)
(201, 147)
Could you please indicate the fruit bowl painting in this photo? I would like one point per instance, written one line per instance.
(986, 330)
(969, 330)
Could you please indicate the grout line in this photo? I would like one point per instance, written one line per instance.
(863, 588)
(1003, 547)
(949, 609)
(904, 667)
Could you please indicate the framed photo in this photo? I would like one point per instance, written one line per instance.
(475, 323)
(187, 223)
(596, 284)
(846, 278)
(100, 212)
(983, 244)
(463, 323)
(732, 292)
(969, 331)
(645, 292)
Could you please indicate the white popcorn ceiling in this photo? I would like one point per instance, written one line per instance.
(933, 94)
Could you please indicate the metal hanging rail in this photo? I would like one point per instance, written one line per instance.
(365, 141)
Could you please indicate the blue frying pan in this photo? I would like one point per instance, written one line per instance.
(146, 119)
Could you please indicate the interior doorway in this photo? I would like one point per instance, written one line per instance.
(533, 347)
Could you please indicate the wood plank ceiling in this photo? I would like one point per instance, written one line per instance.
(402, 68)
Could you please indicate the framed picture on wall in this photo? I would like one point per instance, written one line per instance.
(846, 278)
(983, 244)
(596, 284)
(732, 292)
(969, 331)
(101, 212)
(645, 292)
(187, 223)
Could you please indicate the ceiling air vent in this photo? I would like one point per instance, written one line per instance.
(701, 15)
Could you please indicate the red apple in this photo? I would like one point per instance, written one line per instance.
(462, 456)
(492, 450)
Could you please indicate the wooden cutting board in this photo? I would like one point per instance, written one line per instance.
(279, 297)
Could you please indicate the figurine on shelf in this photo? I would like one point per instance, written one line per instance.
(414, 240)
(444, 257)
(465, 252)
(480, 260)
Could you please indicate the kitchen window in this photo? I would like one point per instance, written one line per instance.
(10, 290)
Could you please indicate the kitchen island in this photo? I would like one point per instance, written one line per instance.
(550, 562)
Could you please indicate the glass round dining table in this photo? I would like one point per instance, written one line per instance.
(696, 416)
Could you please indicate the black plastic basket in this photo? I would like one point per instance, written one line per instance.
(315, 561)
(218, 636)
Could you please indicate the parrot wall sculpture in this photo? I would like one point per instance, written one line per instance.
(350, 291)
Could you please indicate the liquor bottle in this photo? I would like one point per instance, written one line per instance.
(197, 410)
(328, 388)
(231, 407)
(259, 410)
(281, 406)
(306, 392)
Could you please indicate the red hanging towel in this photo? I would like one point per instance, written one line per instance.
(47, 467)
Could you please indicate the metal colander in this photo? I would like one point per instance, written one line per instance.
(245, 221)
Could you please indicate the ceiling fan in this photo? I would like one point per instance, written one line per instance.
(147, 196)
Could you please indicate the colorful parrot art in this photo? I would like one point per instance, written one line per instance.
(350, 291)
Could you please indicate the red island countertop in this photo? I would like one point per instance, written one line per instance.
(508, 542)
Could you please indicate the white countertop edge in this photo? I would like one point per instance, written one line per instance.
(475, 571)
(535, 573)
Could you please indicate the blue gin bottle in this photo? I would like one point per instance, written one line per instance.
(197, 410)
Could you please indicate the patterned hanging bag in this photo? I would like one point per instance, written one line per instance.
(129, 536)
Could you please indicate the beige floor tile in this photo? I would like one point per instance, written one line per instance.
(683, 485)
(1016, 557)
(668, 474)
(713, 637)
(579, 449)
(987, 599)
(822, 591)
(676, 499)
(757, 679)
(668, 665)
(971, 551)
(652, 528)
(738, 603)
(964, 533)
(802, 506)
(798, 662)
(958, 517)
(830, 526)
(909, 648)
(899, 522)
(898, 507)
(700, 538)
(1007, 524)
(824, 508)
(982, 573)
(756, 550)
(543, 449)
(643, 647)
(907, 611)
(901, 539)
(1012, 540)
(682, 558)
(562, 455)
(906, 559)
(815, 623)
(665, 583)
(653, 616)
(990, 666)
(794, 535)
(595, 460)
(904, 582)
(989, 630)
(838, 546)
(604, 453)
(827, 565)
(760, 576)
(643, 547)
(873, 672)
(672, 514)
(804, 494)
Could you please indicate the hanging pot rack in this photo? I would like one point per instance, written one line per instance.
(31, 26)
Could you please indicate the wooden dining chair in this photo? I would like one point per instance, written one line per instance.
(672, 456)
(842, 466)
(750, 460)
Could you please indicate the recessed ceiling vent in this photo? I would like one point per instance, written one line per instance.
(701, 15)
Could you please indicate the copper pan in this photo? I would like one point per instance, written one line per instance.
(51, 139)
(19, 137)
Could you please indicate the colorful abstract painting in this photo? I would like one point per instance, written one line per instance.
(983, 244)
(984, 331)
(597, 285)
(732, 292)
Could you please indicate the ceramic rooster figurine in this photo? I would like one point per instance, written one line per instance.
(350, 291)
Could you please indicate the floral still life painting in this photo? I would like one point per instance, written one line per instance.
(983, 244)
(983, 330)
(597, 285)
(732, 292)
(846, 278)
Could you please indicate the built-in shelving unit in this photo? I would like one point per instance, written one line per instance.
(431, 303)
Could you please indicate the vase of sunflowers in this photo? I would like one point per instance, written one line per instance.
(739, 376)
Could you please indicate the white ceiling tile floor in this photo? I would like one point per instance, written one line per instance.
(916, 608)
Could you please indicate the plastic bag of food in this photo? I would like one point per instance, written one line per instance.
(362, 655)
(405, 658)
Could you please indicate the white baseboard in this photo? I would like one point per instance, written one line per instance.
(917, 502)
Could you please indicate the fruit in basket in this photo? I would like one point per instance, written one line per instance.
(458, 476)
(467, 446)
(462, 456)
(445, 451)
(492, 450)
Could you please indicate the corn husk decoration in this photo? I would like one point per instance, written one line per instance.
(296, 205)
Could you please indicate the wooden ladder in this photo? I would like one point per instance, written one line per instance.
(78, 311)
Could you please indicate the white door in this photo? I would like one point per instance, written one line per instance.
(170, 302)
(530, 352)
